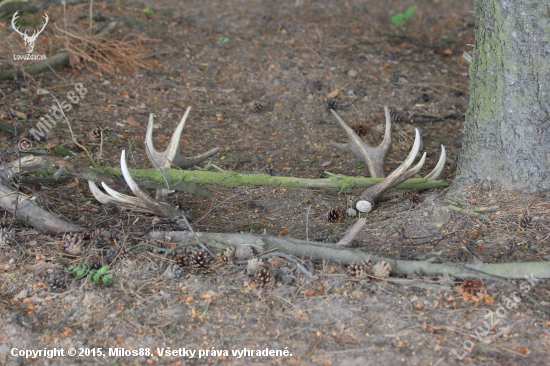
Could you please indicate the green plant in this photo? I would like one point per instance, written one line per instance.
(94, 275)
(399, 18)
(148, 11)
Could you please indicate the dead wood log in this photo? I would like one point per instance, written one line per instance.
(328, 252)
(26, 210)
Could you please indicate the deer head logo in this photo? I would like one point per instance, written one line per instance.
(29, 40)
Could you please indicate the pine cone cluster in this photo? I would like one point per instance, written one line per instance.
(73, 244)
(381, 269)
(264, 278)
(360, 129)
(228, 255)
(336, 215)
(182, 259)
(200, 259)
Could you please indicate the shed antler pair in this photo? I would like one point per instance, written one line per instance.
(373, 157)
(171, 156)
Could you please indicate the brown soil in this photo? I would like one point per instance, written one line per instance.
(258, 76)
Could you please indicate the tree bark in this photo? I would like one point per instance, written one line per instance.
(507, 127)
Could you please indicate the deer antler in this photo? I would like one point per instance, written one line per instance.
(373, 157)
(365, 202)
(142, 202)
(173, 154)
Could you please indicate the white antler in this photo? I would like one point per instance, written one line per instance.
(141, 203)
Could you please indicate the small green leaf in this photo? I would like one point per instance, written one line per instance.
(398, 19)
(360, 165)
(103, 269)
(106, 278)
(148, 11)
(204, 64)
(60, 150)
(410, 12)
(223, 39)
(80, 273)
(96, 277)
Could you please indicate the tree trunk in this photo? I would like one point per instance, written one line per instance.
(507, 128)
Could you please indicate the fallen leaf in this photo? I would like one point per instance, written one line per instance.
(132, 121)
(333, 94)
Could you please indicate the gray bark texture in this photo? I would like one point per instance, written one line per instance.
(507, 127)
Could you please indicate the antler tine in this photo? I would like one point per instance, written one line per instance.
(373, 157)
(365, 203)
(140, 203)
(172, 154)
(436, 172)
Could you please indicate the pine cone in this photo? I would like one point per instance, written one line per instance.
(92, 258)
(56, 281)
(182, 259)
(254, 265)
(360, 129)
(525, 221)
(264, 278)
(332, 104)
(73, 244)
(269, 169)
(95, 134)
(101, 238)
(256, 106)
(472, 286)
(114, 252)
(228, 255)
(397, 116)
(415, 198)
(200, 259)
(243, 252)
(6, 237)
(356, 271)
(381, 269)
(336, 215)
(367, 263)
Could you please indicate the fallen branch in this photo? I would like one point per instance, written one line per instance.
(30, 213)
(328, 252)
(186, 180)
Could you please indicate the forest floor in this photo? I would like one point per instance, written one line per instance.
(258, 76)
